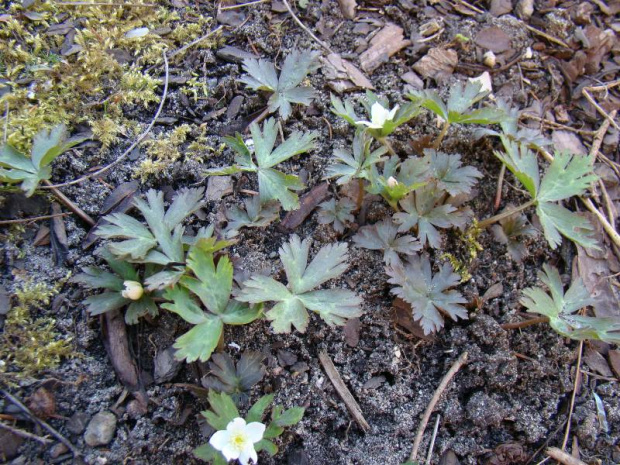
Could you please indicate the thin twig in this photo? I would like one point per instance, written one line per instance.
(572, 400)
(191, 44)
(498, 191)
(600, 109)
(107, 4)
(546, 36)
(303, 26)
(126, 153)
(43, 424)
(563, 457)
(68, 203)
(525, 323)
(33, 219)
(429, 409)
(600, 134)
(25, 434)
(343, 391)
(609, 229)
(241, 5)
(432, 445)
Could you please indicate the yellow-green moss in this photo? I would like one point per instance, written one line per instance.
(29, 345)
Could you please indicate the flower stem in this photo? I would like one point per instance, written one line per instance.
(387, 145)
(500, 216)
(360, 193)
(441, 136)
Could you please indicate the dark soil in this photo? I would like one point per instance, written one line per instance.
(513, 394)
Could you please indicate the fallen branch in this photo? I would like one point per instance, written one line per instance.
(126, 153)
(34, 418)
(431, 405)
(343, 391)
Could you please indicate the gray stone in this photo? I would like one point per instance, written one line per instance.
(101, 429)
(217, 186)
(77, 423)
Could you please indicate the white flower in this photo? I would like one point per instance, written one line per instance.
(238, 439)
(379, 115)
(133, 290)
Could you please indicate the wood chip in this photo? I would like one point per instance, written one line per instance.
(307, 203)
(352, 332)
(343, 391)
(386, 43)
(437, 64)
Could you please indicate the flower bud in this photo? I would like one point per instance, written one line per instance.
(133, 290)
(392, 182)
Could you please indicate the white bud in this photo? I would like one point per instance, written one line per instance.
(133, 290)
(392, 182)
(489, 59)
(528, 54)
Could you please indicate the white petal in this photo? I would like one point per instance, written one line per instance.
(255, 431)
(246, 455)
(230, 452)
(236, 425)
(371, 125)
(378, 114)
(392, 113)
(220, 439)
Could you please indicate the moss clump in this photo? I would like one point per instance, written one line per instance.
(29, 345)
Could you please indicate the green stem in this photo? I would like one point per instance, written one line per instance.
(500, 216)
(360, 193)
(387, 145)
(441, 136)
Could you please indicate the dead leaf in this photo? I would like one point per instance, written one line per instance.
(495, 291)
(352, 332)
(374, 382)
(218, 186)
(494, 39)
(166, 366)
(437, 64)
(449, 458)
(500, 7)
(383, 45)
(343, 75)
(508, 454)
(306, 204)
(9, 444)
(42, 237)
(347, 7)
(596, 362)
(58, 236)
(614, 361)
(569, 141)
(402, 315)
(42, 403)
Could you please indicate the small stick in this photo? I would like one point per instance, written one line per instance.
(608, 117)
(498, 192)
(302, 25)
(546, 36)
(241, 5)
(126, 153)
(56, 434)
(106, 4)
(563, 457)
(429, 409)
(572, 400)
(600, 134)
(343, 391)
(25, 434)
(609, 229)
(68, 203)
(185, 47)
(526, 323)
(432, 445)
(33, 219)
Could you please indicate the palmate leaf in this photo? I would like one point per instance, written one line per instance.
(16, 167)
(161, 240)
(428, 294)
(508, 232)
(398, 179)
(423, 210)
(449, 174)
(272, 184)
(561, 309)
(458, 108)
(255, 215)
(235, 380)
(212, 285)
(262, 75)
(382, 236)
(521, 162)
(292, 301)
(337, 212)
(355, 165)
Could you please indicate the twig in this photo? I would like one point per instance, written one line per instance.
(525, 323)
(572, 400)
(431, 405)
(106, 4)
(185, 47)
(432, 445)
(52, 431)
(343, 391)
(68, 203)
(308, 31)
(600, 134)
(132, 146)
(241, 5)
(546, 36)
(498, 191)
(563, 457)
(25, 434)
(33, 219)
(600, 109)
(609, 229)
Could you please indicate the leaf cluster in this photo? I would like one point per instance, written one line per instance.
(285, 89)
(263, 157)
(382, 236)
(223, 410)
(254, 215)
(293, 300)
(236, 380)
(15, 167)
(562, 309)
(338, 212)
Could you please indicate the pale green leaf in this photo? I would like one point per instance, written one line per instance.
(557, 220)
(200, 341)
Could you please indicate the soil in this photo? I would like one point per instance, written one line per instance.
(509, 401)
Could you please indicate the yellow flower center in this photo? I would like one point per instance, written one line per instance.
(238, 441)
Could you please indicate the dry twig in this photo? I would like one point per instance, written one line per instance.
(303, 26)
(563, 457)
(241, 5)
(431, 405)
(343, 391)
(25, 434)
(432, 445)
(33, 219)
(184, 48)
(572, 400)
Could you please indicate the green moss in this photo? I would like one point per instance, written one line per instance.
(29, 345)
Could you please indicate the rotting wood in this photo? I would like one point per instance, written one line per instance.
(343, 391)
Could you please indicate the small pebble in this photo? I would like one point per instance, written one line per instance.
(101, 429)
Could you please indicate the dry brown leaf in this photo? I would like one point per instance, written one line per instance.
(494, 39)
(596, 362)
(347, 7)
(42, 403)
(614, 361)
(437, 64)
(383, 45)
(569, 141)
(343, 75)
